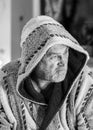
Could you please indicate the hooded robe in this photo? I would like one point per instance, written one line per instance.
(67, 105)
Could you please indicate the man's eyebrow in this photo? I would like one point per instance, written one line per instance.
(52, 53)
(55, 53)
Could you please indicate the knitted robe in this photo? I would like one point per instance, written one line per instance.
(62, 106)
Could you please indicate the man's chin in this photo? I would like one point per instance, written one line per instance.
(59, 76)
(58, 79)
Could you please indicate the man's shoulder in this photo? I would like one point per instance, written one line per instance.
(9, 74)
(11, 67)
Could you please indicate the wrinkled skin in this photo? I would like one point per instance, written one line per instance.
(53, 66)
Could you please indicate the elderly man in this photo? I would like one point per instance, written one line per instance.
(50, 87)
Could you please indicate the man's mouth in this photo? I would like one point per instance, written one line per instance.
(59, 69)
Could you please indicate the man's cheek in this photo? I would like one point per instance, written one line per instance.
(52, 68)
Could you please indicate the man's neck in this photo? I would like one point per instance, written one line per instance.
(40, 84)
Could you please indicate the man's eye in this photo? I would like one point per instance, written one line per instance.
(52, 57)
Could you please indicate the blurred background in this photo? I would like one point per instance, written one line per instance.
(75, 15)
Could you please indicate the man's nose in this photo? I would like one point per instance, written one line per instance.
(61, 64)
(60, 61)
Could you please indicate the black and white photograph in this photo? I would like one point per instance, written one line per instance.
(46, 64)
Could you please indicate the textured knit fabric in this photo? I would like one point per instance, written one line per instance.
(67, 105)
(38, 35)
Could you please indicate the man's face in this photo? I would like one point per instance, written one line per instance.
(53, 66)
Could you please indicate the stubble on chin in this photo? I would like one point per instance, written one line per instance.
(58, 77)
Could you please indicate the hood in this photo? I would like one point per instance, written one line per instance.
(38, 35)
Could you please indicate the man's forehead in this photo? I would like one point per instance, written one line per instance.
(57, 47)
